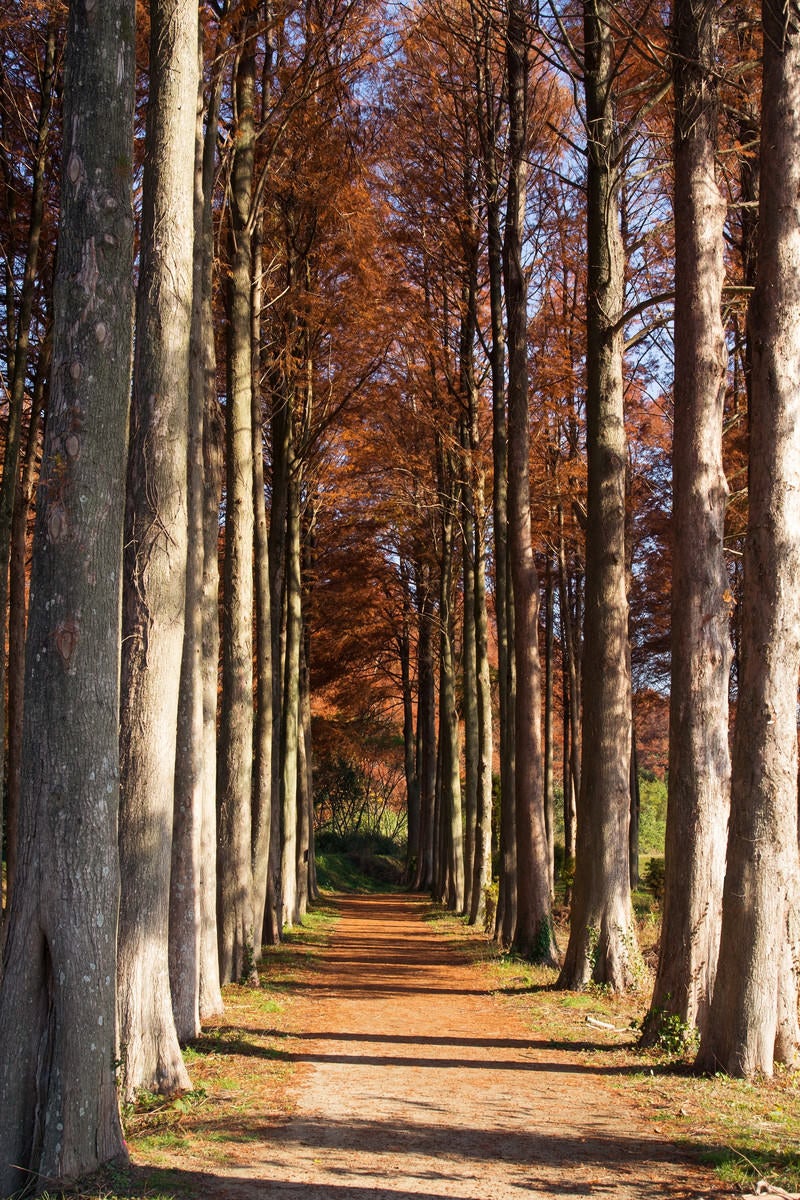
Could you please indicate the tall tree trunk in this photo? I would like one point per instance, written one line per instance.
(482, 872)
(534, 933)
(452, 878)
(59, 1117)
(602, 943)
(426, 731)
(262, 749)
(699, 761)
(235, 765)
(549, 717)
(290, 721)
(185, 920)
(409, 732)
(469, 666)
(154, 586)
(213, 473)
(753, 1020)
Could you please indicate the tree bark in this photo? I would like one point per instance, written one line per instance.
(154, 586)
(699, 760)
(213, 473)
(753, 1020)
(58, 1103)
(262, 764)
(602, 943)
(534, 932)
(235, 762)
(185, 920)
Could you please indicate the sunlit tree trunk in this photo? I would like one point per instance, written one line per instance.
(699, 761)
(753, 1020)
(602, 943)
(185, 920)
(213, 474)
(262, 747)
(59, 1116)
(451, 880)
(156, 533)
(235, 763)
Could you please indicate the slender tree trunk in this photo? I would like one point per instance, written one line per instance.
(534, 932)
(753, 1020)
(482, 875)
(699, 762)
(290, 721)
(235, 763)
(452, 830)
(469, 659)
(549, 689)
(262, 765)
(409, 732)
(213, 473)
(426, 733)
(185, 920)
(154, 586)
(59, 1117)
(602, 943)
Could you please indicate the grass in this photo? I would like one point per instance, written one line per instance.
(746, 1130)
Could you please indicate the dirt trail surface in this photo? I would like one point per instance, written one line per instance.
(416, 1081)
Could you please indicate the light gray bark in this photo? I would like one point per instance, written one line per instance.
(185, 917)
(699, 760)
(753, 1020)
(235, 746)
(156, 532)
(58, 1102)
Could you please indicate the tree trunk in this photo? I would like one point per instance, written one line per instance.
(235, 765)
(156, 532)
(602, 943)
(482, 876)
(469, 661)
(426, 732)
(534, 933)
(452, 857)
(549, 718)
(185, 921)
(699, 761)
(753, 1019)
(262, 779)
(213, 471)
(58, 1101)
(290, 720)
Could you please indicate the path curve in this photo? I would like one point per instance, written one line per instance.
(416, 1081)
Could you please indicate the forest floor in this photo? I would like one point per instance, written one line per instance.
(380, 1061)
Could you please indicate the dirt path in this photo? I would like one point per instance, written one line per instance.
(415, 1081)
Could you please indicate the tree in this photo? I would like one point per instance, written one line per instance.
(534, 931)
(753, 1020)
(699, 761)
(601, 900)
(154, 588)
(235, 762)
(58, 1101)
